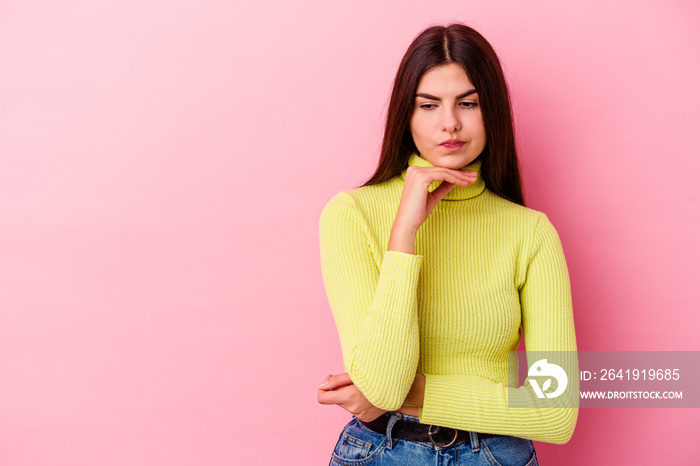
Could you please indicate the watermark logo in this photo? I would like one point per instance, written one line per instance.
(544, 369)
(603, 379)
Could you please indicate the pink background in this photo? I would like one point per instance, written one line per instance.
(163, 166)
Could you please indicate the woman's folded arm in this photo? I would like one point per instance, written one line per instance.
(374, 303)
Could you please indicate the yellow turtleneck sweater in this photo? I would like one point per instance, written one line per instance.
(483, 267)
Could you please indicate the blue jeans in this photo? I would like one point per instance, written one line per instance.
(360, 446)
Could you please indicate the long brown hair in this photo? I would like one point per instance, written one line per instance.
(460, 44)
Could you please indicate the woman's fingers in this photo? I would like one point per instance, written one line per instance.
(427, 176)
(424, 177)
(442, 190)
(331, 382)
(433, 174)
(452, 177)
(461, 174)
(334, 397)
(325, 381)
(328, 397)
(351, 399)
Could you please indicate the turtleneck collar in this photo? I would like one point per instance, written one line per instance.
(457, 193)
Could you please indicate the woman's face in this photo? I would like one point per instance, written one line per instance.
(446, 124)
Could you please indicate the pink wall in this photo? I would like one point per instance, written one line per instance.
(162, 170)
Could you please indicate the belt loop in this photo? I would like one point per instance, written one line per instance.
(474, 438)
(390, 425)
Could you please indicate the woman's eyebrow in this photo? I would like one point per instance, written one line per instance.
(432, 97)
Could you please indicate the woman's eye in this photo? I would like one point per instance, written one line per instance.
(468, 104)
(428, 106)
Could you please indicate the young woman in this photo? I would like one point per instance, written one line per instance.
(434, 266)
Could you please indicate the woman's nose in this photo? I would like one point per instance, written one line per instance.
(450, 122)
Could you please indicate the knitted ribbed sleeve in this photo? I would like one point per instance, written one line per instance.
(483, 268)
(375, 306)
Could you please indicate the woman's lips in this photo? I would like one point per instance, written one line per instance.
(453, 144)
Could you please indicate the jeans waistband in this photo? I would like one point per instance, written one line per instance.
(400, 426)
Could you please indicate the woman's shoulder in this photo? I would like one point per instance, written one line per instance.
(367, 209)
(530, 228)
(503, 206)
(382, 196)
(527, 221)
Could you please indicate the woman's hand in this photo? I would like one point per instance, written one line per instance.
(417, 202)
(340, 390)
